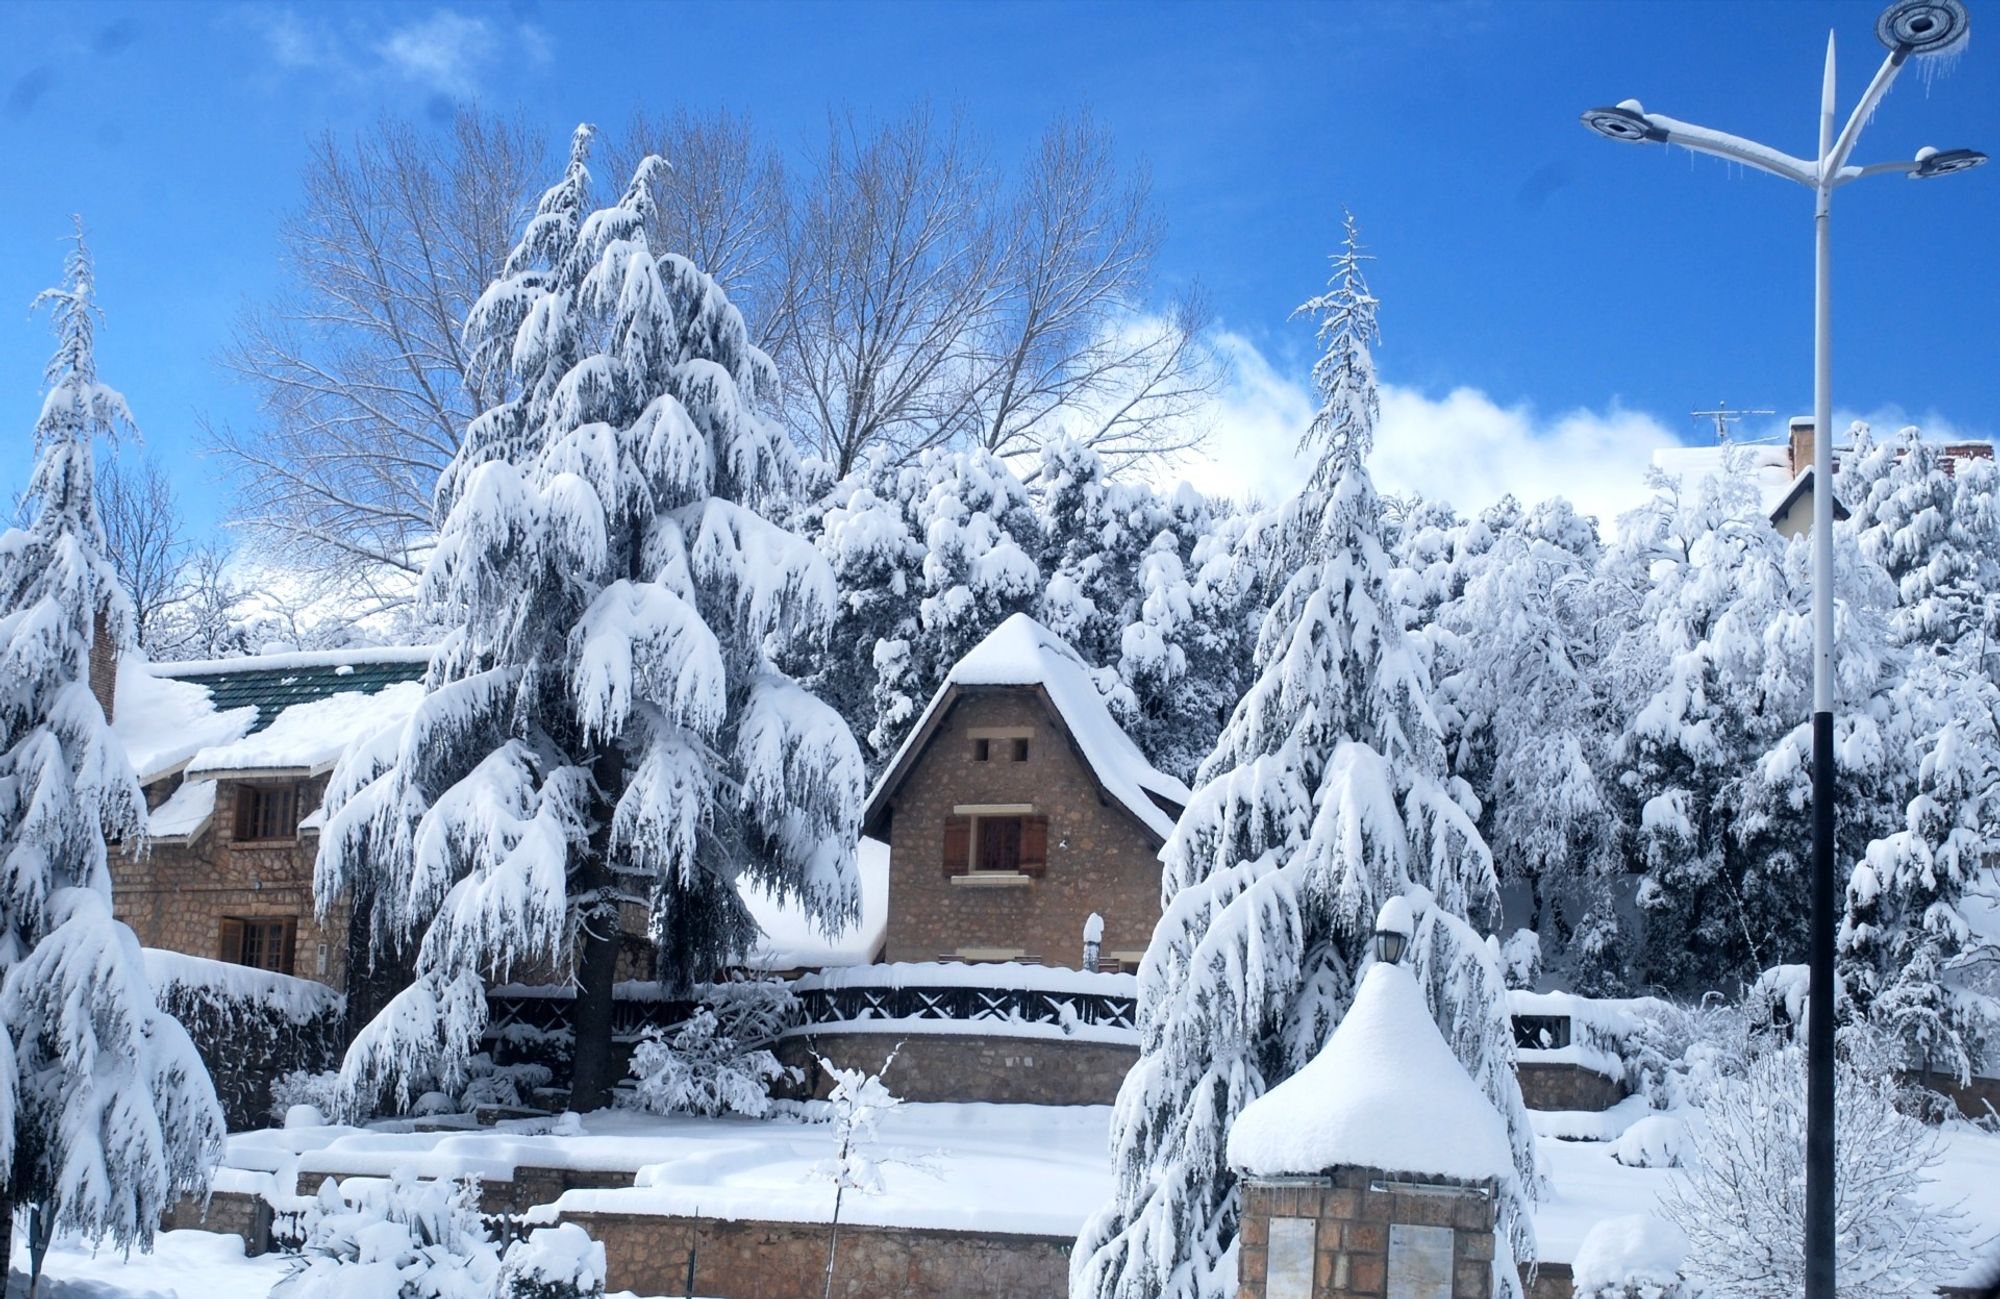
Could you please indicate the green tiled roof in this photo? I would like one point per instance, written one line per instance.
(274, 689)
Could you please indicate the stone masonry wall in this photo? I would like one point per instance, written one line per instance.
(965, 1067)
(1099, 858)
(1352, 1223)
(786, 1260)
(175, 896)
(1566, 1087)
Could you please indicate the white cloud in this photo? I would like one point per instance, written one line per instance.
(447, 53)
(443, 52)
(1463, 447)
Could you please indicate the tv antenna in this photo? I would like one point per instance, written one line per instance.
(1724, 417)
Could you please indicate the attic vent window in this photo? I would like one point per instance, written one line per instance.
(982, 750)
(1021, 748)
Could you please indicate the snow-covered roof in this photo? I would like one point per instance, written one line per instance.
(1385, 1092)
(294, 713)
(1766, 464)
(185, 812)
(791, 941)
(162, 722)
(310, 737)
(1022, 652)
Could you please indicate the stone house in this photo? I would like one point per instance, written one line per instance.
(233, 756)
(1015, 810)
(1783, 472)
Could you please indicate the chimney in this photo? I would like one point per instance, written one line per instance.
(103, 664)
(1802, 444)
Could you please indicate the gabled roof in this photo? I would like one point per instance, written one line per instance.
(1801, 487)
(1022, 653)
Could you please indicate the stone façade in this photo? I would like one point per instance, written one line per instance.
(176, 894)
(1100, 858)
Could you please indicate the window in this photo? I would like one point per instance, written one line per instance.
(1020, 748)
(999, 847)
(260, 942)
(267, 811)
(1005, 841)
(982, 749)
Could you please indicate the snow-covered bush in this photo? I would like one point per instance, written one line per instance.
(716, 1061)
(1634, 1257)
(399, 1239)
(509, 1085)
(305, 1088)
(1740, 1198)
(559, 1262)
(698, 1068)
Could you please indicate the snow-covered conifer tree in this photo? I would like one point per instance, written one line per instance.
(106, 1112)
(1528, 727)
(1326, 796)
(1907, 522)
(607, 724)
(1911, 959)
(981, 538)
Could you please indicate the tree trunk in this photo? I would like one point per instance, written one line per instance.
(591, 1073)
(6, 1237)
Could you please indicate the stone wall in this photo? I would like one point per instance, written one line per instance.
(787, 1260)
(1100, 859)
(969, 1067)
(175, 895)
(1351, 1221)
(1566, 1087)
(230, 1213)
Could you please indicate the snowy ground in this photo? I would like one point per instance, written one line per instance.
(979, 1157)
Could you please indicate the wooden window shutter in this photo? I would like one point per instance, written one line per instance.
(1034, 845)
(232, 942)
(290, 946)
(957, 845)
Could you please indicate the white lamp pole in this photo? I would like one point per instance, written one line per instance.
(1908, 28)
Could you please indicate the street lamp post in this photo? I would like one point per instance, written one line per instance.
(1909, 28)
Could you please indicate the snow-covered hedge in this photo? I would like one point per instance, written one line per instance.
(252, 1027)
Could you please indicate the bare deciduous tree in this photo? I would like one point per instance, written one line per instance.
(1071, 342)
(144, 538)
(363, 383)
(723, 206)
(893, 256)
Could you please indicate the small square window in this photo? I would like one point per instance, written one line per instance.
(982, 750)
(1021, 748)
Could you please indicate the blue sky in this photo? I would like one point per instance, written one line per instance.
(1553, 304)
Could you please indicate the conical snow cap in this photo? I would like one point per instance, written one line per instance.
(1385, 1092)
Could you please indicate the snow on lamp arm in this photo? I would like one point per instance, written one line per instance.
(1908, 28)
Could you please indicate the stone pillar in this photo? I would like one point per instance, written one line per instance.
(1362, 1233)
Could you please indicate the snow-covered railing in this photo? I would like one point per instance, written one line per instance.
(524, 1011)
(250, 1026)
(998, 993)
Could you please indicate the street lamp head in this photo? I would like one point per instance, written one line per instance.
(1936, 162)
(1924, 26)
(1626, 122)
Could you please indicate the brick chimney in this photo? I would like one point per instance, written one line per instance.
(1802, 444)
(103, 664)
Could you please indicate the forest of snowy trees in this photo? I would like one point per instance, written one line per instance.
(682, 622)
